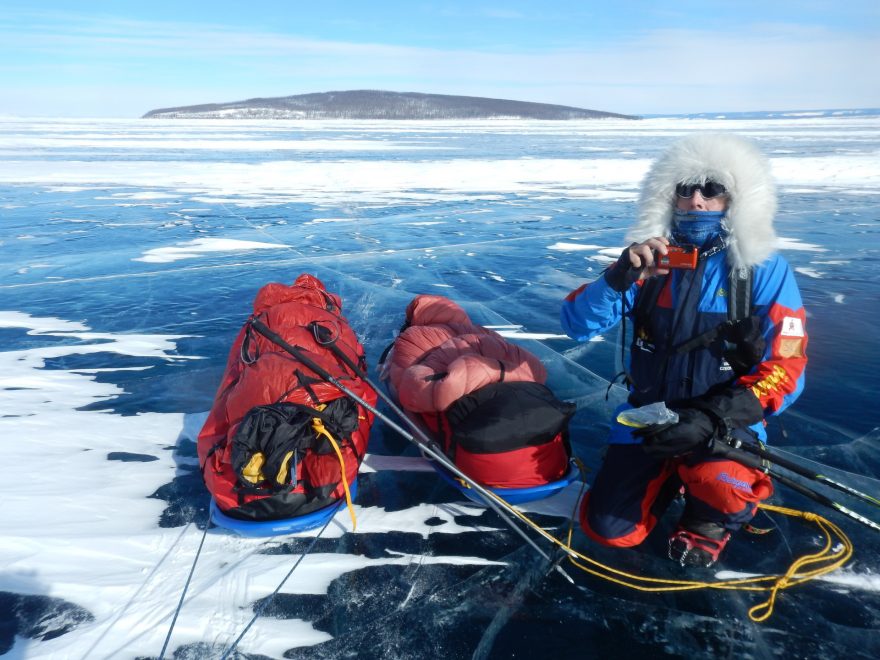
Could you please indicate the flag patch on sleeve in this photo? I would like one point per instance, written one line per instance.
(791, 347)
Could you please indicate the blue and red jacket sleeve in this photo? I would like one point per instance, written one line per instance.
(779, 379)
(593, 308)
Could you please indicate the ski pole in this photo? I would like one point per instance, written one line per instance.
(803, 471)
(749, 460)
(423, 442)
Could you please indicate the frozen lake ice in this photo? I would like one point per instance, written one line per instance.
(131, 251)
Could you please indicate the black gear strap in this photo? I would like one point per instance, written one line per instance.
(739, 308)
(739, 305)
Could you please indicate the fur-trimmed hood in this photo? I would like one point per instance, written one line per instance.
(730, 160)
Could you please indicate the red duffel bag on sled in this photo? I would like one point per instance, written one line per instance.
(280, 442)
(482, 397)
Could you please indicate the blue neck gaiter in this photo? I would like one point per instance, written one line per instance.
(697, 227)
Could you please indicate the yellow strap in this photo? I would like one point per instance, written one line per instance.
(253, 470)
(318, 425)
(281, 477)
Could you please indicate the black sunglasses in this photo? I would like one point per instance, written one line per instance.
(708, 190)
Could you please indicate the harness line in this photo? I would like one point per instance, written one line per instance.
(269, 598)
(185, 587)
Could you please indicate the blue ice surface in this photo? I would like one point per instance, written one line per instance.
(69, 254)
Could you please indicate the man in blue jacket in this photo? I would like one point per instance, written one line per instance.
(722, 343)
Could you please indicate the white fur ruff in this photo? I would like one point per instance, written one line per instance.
(730, 160)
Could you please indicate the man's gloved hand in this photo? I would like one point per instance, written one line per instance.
(701, 420)
(621, 275)
(637, 262)
(694, 430)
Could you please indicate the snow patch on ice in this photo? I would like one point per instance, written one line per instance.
(516, 332)
(190, 143)
(604, 255)
(809, 272)
(390, 180)
(844, 577)
(533, 335)
(140, 195)
(572, 247)
(38, 325)
(201, 246)
(317, 221)
(784, 243)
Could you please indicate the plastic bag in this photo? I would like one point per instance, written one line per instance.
(653, 413)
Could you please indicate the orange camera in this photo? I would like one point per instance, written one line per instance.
(678, 257)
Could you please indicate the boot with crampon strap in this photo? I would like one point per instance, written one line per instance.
(697, 543)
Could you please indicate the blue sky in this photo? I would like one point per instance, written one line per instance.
(121, 59)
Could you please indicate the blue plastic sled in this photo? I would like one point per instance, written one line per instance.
(282, 526)
(512, 495)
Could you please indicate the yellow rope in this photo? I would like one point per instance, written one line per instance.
(839, 557)
(828, 559)
(318, 425)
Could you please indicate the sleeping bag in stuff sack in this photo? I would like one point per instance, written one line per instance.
(482, 397)
(281, 442)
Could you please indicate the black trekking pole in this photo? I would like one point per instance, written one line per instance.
(750, 460)
(423, 442)
(791, 466)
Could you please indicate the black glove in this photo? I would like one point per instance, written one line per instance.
(700, 421)
(621, 275)
(694, 430)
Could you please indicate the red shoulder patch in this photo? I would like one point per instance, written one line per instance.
(574, 294)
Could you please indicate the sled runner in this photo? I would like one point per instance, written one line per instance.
(282, 446)
(483, 400)
(513, 495)
(277, 527)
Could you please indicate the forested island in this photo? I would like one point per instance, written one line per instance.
(376, 104)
